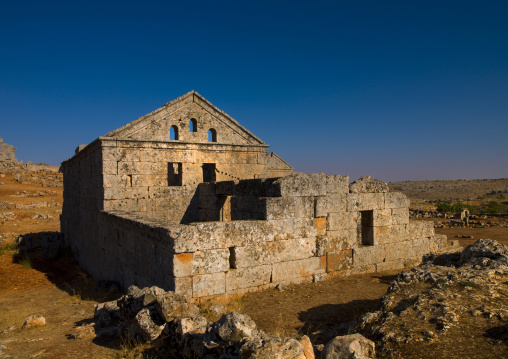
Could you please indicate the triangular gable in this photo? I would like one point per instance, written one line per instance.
(275, 162)
(159, 114)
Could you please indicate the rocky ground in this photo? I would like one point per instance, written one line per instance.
(437, 311)
(451, 190)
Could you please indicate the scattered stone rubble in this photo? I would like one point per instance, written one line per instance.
(425, 302)
(33, 205)
(151, 314)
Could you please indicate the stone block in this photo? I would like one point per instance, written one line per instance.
(389, 266)
(397, 250)
(110, 168)
(248, 277)
(273, 252)
(208, 284)
(419, 229)
(437, 243)
(321, 246)
(125, 193)
(390, 234)
(396, 200)
(286, 271)
(340, 260)
(225, 188)
(365, 201)
(342, 220)
(400, 215)
(289, 207)
(321, 206)
(302, 184)
(368, 255)
(320, 224)
(210, 261)
(382, 217)
(337, 184)
(183, 286)
(368, 184)
(341, 239)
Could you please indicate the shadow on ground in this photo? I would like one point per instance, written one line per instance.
(324, 322)
(39, 252)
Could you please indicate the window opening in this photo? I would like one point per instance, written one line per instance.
(232, 258)
(367, 228)
(193, 125)
(174, 174)
(212, 135)
(173, 133)
(208, 172)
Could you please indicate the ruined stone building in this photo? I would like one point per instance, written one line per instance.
(7, 153)
(187, 199)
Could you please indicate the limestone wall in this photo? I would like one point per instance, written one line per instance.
(159, 179)
(303, 227)
(83, 201)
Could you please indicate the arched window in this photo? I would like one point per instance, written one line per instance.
(193, 125)
(173, 133)
(212, 135)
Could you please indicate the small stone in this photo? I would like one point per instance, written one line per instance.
(34, 321)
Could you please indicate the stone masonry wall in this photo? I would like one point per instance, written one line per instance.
(303, 227)
(159, 180)
(83, 201)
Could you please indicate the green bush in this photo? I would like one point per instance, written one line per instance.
(452, 208)
(443, 207)
(493, 207)
(41, 164)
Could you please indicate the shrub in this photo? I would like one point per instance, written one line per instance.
(443, 207)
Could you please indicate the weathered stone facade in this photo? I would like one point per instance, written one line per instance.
(7, 153)
(184, 198)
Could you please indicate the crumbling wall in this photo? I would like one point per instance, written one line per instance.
(300, 228)
(159, 180)
(7, 152)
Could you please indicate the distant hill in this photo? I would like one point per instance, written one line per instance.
(452, 190)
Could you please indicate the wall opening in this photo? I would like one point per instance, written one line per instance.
(173, 133)
(174, 174)
(129, 180)
(367, 228)
(208, 172)
(224, 203)
(212, 135)
(193, 125)
(232, 258)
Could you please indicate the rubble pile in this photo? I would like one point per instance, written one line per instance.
(446, 291)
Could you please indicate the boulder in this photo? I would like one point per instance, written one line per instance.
(308, 350)
(485, 253)
(349, 347)
(34, 321)
(172, 305)
(272, 348)
(194, 325)
(234, 327)
(368, 184)
(148, 324)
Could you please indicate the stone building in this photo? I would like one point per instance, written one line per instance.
(7, 153)
(187, 199)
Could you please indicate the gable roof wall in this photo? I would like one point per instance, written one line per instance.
(172, 106)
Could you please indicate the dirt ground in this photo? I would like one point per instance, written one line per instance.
(65, 295)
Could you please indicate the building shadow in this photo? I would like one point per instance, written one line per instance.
(324, 322)
(46, 253)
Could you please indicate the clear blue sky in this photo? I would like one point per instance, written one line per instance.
(400, 90)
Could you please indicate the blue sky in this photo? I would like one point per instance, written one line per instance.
(400, 90)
